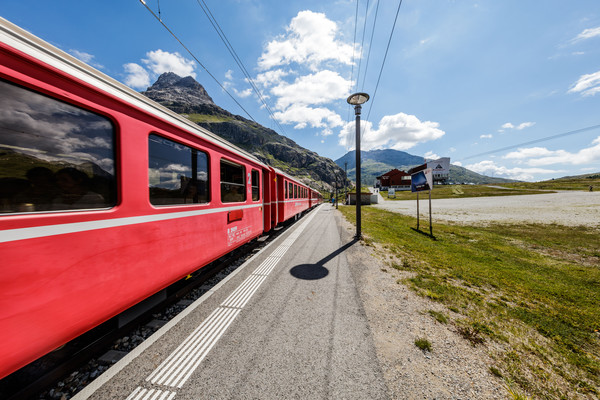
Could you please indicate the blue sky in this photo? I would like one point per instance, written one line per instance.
(461, 78)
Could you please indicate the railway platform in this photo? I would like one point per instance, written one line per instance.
(286, 324)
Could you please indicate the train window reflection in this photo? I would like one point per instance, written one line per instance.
(232, 182)
(53, 155)
(255, 186)
(178, 174)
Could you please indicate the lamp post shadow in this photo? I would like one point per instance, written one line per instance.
(316, 271)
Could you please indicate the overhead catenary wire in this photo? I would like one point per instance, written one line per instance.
(236, 58)
(384, 59)
(353, 59)
(195, 58)
(362, 44)
(514, 146)
(370, 47)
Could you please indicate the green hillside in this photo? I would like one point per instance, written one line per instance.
(377, 162)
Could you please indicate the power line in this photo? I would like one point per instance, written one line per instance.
(370, 46)
(384, 58)
(195, 58)
(362, 44)
(350, 108)
(353, 51)
(236, 58)
(589, 128)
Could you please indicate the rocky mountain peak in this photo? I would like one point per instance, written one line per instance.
(188, 97)
(171, 89)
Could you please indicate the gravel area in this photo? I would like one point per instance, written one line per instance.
(453, 369)
(571, 208)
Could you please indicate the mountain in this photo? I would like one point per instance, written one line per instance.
(377, 162)
(384, 157)
(188, 97)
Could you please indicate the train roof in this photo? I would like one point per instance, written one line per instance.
(26, 42)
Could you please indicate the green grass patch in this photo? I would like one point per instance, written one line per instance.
(533, 288)
(423, 344)
(572, 183)
(439, 317)
(204, 118)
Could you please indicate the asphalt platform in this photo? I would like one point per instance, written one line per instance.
(288, 324)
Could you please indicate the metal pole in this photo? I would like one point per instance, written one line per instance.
(357, 109)
(336, 192)
(430, 225)
(417, 210)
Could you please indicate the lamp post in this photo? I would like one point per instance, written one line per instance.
(357, 99)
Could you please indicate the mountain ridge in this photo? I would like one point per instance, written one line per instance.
(377, 162)
(187, 97)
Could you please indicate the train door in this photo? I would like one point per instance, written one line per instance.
(274, 198)
(267, 199)
(282, 195)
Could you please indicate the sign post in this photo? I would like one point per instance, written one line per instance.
(420, 181)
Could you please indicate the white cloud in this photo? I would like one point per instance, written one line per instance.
(486, 136)
(588, 34)
(398, 132)
(229, 75)
(326, 132)
(519, 127)
(310, 40)
(430, 155)
(539, 156)
(271, 78)
(319, 88)
(86, 58)
(490, 168)
(303, 116)
(138, 77)
(587, 85)
(458, 163)
(159, 61)
(243, 93)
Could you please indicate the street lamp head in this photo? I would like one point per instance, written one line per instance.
(357, 99)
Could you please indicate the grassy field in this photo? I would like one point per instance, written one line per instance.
(207, 118)
(460, 191)
(573, 183)
(529, 293)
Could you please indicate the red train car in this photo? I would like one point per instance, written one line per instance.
(107, 197)
(316, 198)
(293, 197)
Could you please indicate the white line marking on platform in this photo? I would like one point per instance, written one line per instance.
(180, 364)
(185, 359)
(144, 394)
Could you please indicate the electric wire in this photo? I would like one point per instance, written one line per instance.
(370, 47)
(589, 128)
(384, 59)
(236, 58)
(353, 58)
(354, 43)
(362, 44)
(195, 58)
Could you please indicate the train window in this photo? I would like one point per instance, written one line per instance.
(178, 174)
(291, 190)
(53, 155)
(295, 191)
(233, 187)
(255, 186)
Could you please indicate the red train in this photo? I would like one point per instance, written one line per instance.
(107, 197)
